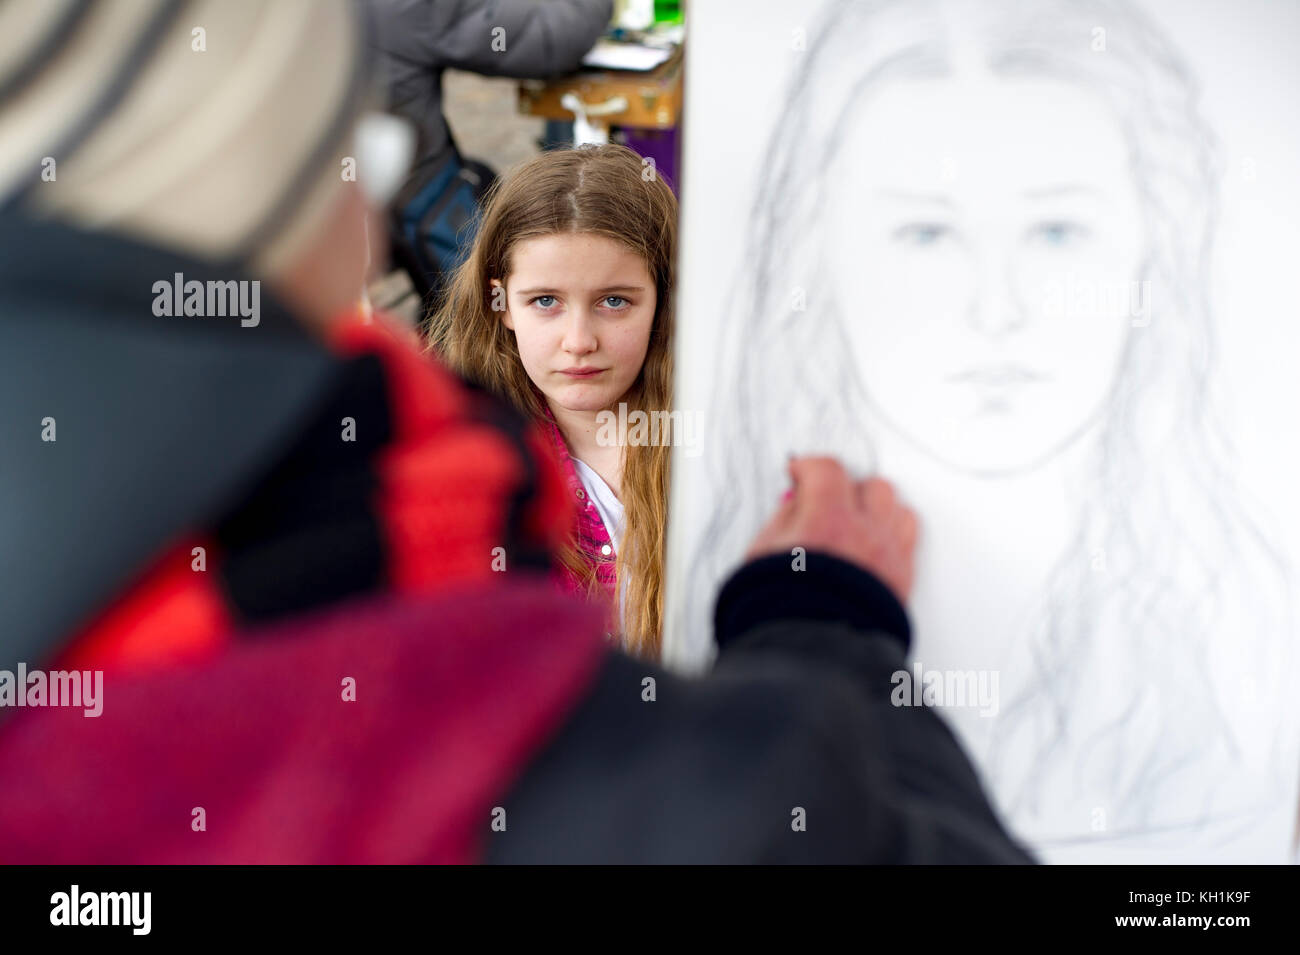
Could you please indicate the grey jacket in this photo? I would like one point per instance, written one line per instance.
(418, 39)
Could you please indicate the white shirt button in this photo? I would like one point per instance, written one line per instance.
(605, 549)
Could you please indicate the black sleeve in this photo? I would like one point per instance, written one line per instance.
(787, 752)
(834, 616)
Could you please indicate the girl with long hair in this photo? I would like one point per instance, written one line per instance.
(564, 307)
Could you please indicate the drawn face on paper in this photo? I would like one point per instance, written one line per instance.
(985, 245)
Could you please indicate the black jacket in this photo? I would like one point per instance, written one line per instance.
(789, 751)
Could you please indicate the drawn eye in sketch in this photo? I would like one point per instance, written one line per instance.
(990, 289)
(1058, 233)
(922, 234)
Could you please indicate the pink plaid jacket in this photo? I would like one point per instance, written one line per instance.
(593, 539)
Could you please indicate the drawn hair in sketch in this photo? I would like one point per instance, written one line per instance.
(1176, 538)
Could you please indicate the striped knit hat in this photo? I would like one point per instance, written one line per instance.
(215, 127)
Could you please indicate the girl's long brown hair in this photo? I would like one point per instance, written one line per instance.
(600, 190)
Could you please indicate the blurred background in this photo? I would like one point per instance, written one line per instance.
(620, 81)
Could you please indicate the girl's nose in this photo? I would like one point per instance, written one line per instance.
(580, 334)
(995, 309)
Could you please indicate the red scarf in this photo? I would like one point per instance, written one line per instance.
(445, 497)
(350, 678)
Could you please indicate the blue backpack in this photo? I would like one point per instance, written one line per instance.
(435, 218)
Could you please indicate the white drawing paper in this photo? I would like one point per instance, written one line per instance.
(1031, 262)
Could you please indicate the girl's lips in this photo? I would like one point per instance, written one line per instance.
(998, 375)
(581, 372)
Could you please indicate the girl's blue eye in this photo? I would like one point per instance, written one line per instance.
(1057, 233)
(615, 298)
(544, 301)
(922, 233)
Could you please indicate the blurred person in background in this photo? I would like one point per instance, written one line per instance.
(435, 215)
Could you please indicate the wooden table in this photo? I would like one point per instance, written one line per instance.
(654, 98)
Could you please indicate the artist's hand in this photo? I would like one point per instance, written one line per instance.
(862, 522)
